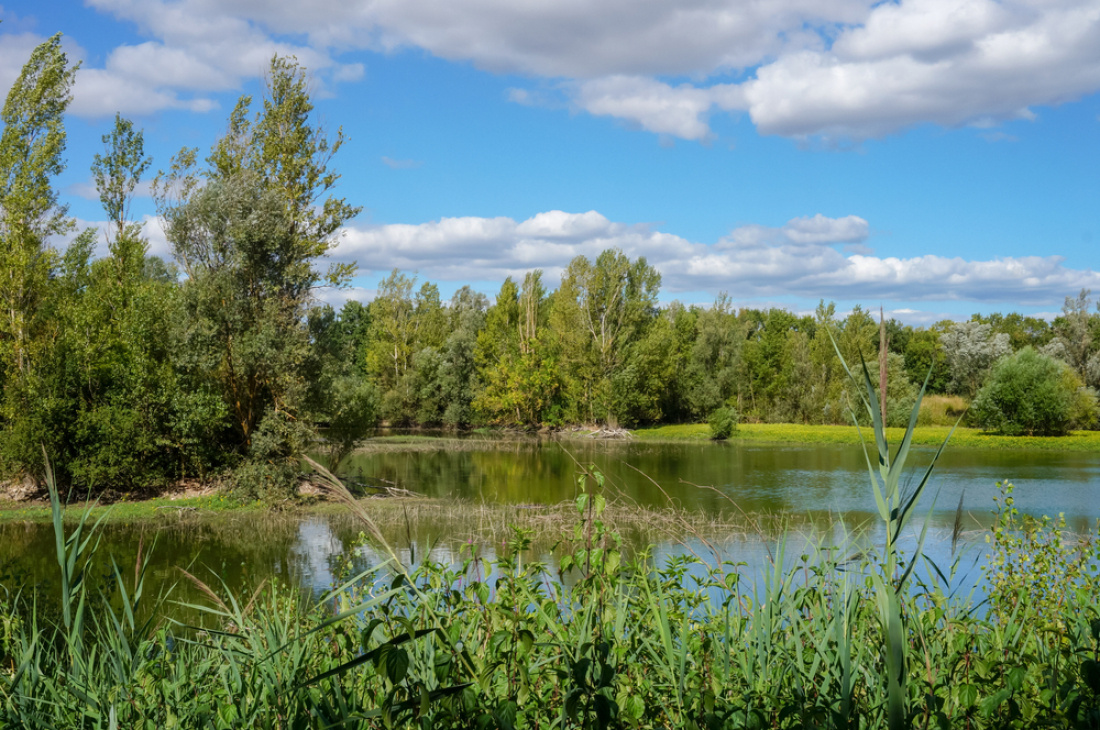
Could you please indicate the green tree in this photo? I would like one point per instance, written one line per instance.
(345, 402)
(924, 352)
(445, 377)
(32, 148)
(713, 359)
(518, 375)
(600, 309)
(402, 324)
(1034, 394)
(249, 232)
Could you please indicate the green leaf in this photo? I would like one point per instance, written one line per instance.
(1090, 673)
(396, 663)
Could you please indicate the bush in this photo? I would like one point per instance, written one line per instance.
(723, 422)
(1031, 393)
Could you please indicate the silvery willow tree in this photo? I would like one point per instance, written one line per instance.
(971, 348)
(248, 230)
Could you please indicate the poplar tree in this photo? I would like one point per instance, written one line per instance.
(32, 146)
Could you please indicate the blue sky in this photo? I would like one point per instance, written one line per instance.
(936, 157)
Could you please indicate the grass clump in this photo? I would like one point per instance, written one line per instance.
(942, 410)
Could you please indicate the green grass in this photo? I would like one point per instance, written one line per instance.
(128, 511)
(927, 435)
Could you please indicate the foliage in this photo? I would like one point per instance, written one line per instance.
(1031, 393)
(1037, 563)
(971, 348)
(901, 394)
(942, 410)
(31, 149)
(722, 422)
(248, 240)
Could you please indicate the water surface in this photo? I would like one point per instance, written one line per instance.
(825, 484)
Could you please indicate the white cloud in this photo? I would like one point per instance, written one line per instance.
(337, 297)
(834, 68)
(803, 258)
(655, 106)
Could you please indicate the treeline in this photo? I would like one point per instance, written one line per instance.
(129, 371)
(599, 349)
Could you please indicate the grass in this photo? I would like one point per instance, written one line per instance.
(124, 510)
(942, 410)
(924, 435)
(438, 521)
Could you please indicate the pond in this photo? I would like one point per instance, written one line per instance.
(825, 486)
(811, 480)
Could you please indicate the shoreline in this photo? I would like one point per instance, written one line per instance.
(963, 437)
(212, 500)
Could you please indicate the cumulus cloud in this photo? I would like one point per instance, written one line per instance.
(197, 49)
(805, 257)
(832, 68)
(655, 106)
(940, 61)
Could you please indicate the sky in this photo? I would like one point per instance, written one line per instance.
(936, 158)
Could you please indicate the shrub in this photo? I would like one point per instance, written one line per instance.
(1031, 393)
(723, 422)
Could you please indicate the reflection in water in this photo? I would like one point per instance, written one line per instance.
(827, 485)
(791, 479)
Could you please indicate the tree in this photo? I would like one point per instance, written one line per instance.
(1034, 394)
(1074, 330)
(713, 358)
(402, 324)
(608, 303)
(970, 349)
(518, 377)
(445, 377)
(248, 233)
(32, 146)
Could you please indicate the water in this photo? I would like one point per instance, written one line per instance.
(809, 480)
(826, 484)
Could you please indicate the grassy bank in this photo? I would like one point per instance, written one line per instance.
(129, 510)
(928, 435)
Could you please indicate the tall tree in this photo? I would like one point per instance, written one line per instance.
(611, 302)
(402, 324)
(32, 148)
(713, 359)
(1074, 333)
(249, 231)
